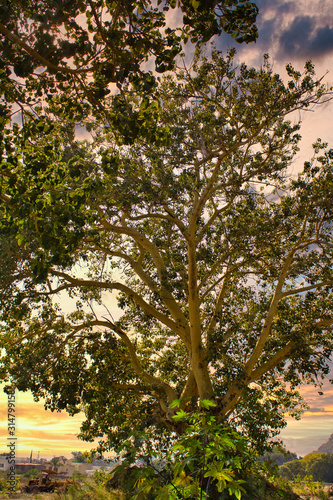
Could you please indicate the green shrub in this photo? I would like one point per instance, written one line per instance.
(32, 474)
(89, 490)
(206, 461)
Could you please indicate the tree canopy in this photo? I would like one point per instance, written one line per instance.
(70, 55)
(220, 263)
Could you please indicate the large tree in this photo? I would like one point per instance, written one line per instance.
(222, 266)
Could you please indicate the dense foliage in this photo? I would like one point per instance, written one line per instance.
(220, 264)
(70, 55)
(207, 461)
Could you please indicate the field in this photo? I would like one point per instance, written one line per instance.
(85, 488)
(56, 496)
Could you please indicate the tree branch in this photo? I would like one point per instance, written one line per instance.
(74, 282)
(277, 358)
(63, 69)
(306, 288)
(139, 370)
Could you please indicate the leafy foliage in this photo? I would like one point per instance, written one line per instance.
(89, 489)
(314, 489)
(80, 457)
(32, 474)
(205, 461)
(70, 56)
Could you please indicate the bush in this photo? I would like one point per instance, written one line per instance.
(206, 461)
(89, 490)
(309, 488)
(32, 474)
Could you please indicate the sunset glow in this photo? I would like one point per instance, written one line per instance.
(41, 431)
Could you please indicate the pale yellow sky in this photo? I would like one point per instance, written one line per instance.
(316, 425)
(49, 433)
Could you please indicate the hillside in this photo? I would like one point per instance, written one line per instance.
(326, 447)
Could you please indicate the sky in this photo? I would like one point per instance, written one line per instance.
(290, 32)
(38, 430)
(293, 32)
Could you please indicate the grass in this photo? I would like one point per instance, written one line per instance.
(75, 495)
(86, 489)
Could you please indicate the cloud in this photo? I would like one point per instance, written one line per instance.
(304, 39)
(274, 10)
(291, 30)
(266, 33)
(316, 409)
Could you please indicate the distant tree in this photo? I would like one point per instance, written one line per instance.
(32, 474)
(222, 266)
(55, 461)
(317, 465)
(80, 457)
(279, 456)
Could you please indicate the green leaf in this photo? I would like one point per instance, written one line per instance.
(175, 403)
(205, 403)
(180, 415)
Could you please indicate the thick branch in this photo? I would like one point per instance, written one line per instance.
(141, 240)
(218, 306)
(198, 353)
(236, 390)
(277, 358)
(150, 379)
(75, 282)
(190, 388)
(200, 201)
(324, 323)
(274, 304)
(166, 296)
(270, 315)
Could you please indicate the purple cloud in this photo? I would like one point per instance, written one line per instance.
(304, 39)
